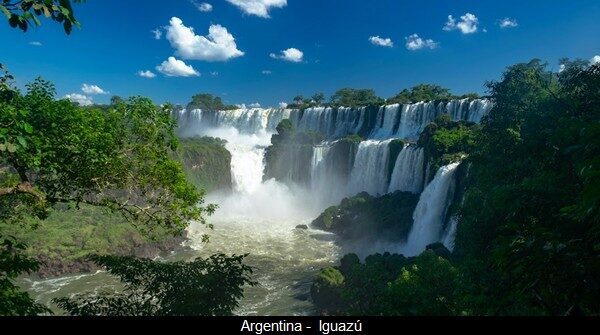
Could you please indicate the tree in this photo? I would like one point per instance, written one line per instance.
(298, 100)
(349, 97)
(529, 223)
(208, 102)
(318, 98)
(207, 287)
(13, 263)
(53, 152)
(422, 92)
(116, 100)
(24, 13)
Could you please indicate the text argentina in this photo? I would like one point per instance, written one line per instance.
(267, 327)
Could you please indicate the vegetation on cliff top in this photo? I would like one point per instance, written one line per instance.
(204, 160)
(446, 141)
(366, 217)
(208, 102)
(527, 238)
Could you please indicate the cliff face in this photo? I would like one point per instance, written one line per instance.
(206, 162)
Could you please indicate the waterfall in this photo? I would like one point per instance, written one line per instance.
(246, 166)
(450, 234)
(391, 121)
(408, 170)
(247, 121)
(332, 122)
(386, 121)
(349, 121)
(414, 118)
(369, 173)
(468, 110)
(431, 211)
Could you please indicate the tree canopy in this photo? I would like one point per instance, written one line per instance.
(350, 97)
(206, 287)
(24, 13)
(208, 102)
(54, 152)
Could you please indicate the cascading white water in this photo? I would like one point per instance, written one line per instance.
(408, 171)
(392, 121)
(431, 211)
(259, 218)
(450, 234)
(387, 118)
(414, 118)
(468, 110)
(369, 173)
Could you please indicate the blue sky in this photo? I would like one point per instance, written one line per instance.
(115, 42)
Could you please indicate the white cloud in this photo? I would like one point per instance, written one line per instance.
(219, 45)
(266, 72)
(157, 33)
(283, 105)
(467, 25)
(203, 7)
(254, 105)
(595, 59)
(36, 43)
(80, 99)
(259, 8)
(561, 68)
(92, 89)
(508, 23)
(173, 67)
(146, 74)
(382, 42)
(291, 55)
(214, 73)
(414, 42)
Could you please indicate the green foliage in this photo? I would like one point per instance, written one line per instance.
(446, 141)
(62, 241)
(527, 239)
(366, 217)
(318, 98)
(13, 262)
(388, 284)
(422, 92)
(353, 139)
(426, 287)
(208, 287)
(119, 158)
(25, 13)
(54, 153)
(350, 97)
(207, 102)
(530, 219)
(426, 92)
(204, 160)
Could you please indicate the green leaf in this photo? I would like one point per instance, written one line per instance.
(36, 20)
(28, 128)
(22, 141)
(11, 148)
(5, 11)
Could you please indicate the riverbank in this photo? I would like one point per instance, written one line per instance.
(63, 241)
